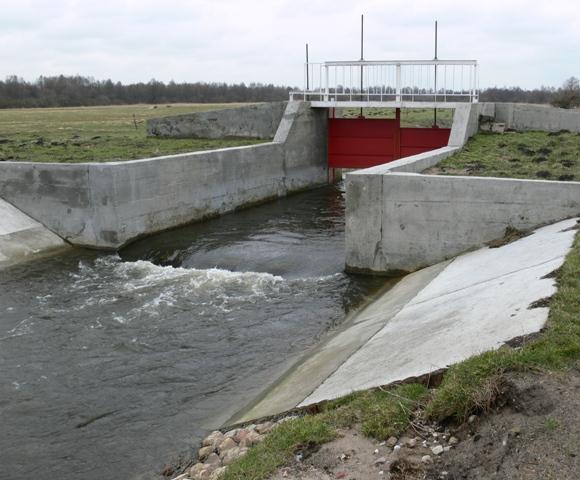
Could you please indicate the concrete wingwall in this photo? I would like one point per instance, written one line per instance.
(398, 220)
(419, 220)
(253, 121)
(109, 204)
(524, 117)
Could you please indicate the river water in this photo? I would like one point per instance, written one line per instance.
(112, 365)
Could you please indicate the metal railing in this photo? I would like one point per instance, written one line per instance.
(391, 81)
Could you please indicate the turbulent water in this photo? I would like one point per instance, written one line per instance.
(113, 365)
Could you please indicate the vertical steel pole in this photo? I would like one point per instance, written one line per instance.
(307, 75)
(398, 81)
(475, 97)
(435, 109)
(326, 88)
(362, 27)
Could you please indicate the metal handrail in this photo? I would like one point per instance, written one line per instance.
(391, 81)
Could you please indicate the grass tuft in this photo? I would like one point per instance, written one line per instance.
(381, 413)
(279, 446)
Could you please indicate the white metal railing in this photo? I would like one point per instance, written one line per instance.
(390, 81)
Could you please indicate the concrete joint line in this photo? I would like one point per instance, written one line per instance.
(483, 282)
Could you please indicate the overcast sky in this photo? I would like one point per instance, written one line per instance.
(526, 43)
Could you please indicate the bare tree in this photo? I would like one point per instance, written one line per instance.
(569, 95)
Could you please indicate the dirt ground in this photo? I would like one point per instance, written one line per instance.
(534, 433)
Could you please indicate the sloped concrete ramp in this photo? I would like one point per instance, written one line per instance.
(433, 318)
(22, 238)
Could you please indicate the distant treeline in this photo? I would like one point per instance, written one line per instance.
(517, 95)
(76, 91)
(62, 91)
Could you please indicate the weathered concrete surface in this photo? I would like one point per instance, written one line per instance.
(109, 204)
(429, 320)
(402, 222)
(253, 121)
(478, 302)
(522, 117)
(22, 238)
(465, 124)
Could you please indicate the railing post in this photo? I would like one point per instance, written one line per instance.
(398, 97)
(474, 87)
(326, 87)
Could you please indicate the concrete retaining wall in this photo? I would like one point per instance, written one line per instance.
(418, 220)
(107, 205)
(399, 221)
(522, 117)
(253, 121)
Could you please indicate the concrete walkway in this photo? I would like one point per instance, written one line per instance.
(433, 318)
(22, 238)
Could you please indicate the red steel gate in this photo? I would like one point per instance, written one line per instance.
(366, 142)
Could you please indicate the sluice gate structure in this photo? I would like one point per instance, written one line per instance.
(364, 142)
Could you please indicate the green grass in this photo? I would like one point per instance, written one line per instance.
(381, 413)
(531, 155)
(552, 424)
(97, 134)
(279, 447)
(410, 117)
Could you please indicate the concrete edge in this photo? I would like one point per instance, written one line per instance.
(145, 160)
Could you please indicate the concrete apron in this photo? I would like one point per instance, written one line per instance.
(22, 238)
(433, 318)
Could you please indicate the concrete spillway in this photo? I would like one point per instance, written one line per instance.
(22, 238)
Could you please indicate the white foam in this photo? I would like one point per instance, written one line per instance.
(158, 289)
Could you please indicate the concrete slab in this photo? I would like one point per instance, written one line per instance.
(21, 237)
(478, 302)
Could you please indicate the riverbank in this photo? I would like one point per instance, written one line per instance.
(416, 421)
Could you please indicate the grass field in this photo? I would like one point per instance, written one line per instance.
(97, 134)
(535, 155)
(410, 117)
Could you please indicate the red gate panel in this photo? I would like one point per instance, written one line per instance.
(365, 142)
(419, 140)
(361, 142)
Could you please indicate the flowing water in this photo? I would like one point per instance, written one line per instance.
(111, 365)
